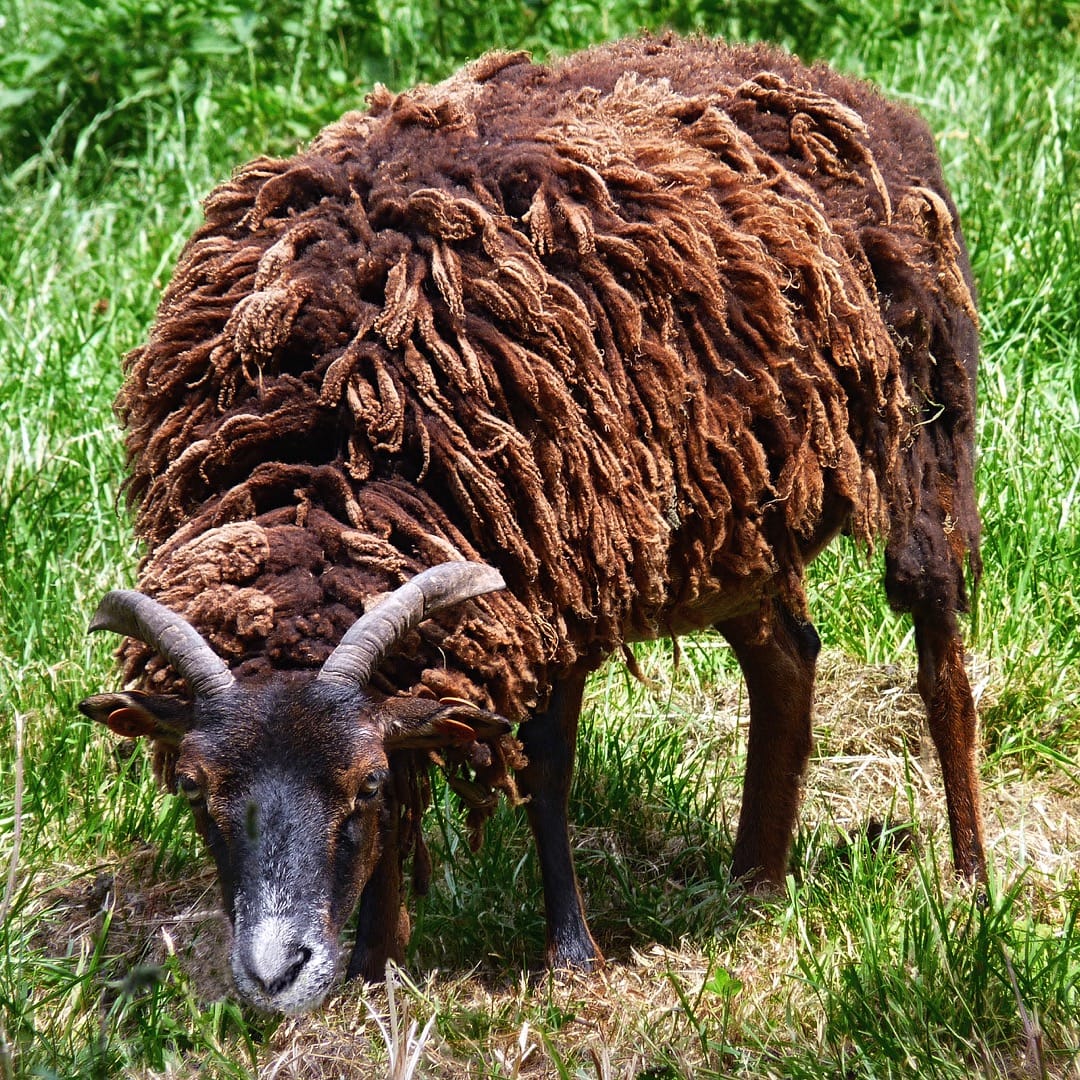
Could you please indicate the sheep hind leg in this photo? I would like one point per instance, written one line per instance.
(946, 692)
(779, 671)
(549, 739)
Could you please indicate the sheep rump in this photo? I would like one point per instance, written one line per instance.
(642, 328)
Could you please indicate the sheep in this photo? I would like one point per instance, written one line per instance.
(634, 334)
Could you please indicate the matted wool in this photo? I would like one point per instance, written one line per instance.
(642, 328)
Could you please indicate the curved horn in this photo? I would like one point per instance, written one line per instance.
(375, 633)
(126, 611)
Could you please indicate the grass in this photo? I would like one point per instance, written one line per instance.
(115, 118)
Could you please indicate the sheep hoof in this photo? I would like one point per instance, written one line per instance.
(577, 957)
(369, 965)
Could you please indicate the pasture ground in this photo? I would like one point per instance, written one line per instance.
(116, 117)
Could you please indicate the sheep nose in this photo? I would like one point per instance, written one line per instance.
(275, 965)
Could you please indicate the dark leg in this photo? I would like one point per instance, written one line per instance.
(779, 673)
(944, 687)
(382, 923)
(549, 739)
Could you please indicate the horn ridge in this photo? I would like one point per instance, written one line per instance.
(127, 611)
(367, 642)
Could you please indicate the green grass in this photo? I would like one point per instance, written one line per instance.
(116, 117)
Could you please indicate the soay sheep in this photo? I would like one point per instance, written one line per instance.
(636, 334)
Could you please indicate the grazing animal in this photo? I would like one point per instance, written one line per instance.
(636, 333)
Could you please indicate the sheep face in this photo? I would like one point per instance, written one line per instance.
(288, 791)
(292, 787)
(295, 783)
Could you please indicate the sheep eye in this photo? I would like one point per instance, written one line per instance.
(190, 788)
(370, 786)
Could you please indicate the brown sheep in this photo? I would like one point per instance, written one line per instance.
(643, 330)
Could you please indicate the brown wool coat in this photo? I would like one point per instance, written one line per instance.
(642, 328)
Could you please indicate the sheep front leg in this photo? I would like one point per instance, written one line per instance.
(549, 739)
(779, 673)
(946, 692)
(382, 923)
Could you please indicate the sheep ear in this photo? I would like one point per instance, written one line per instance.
(416, 723)
(133, 714)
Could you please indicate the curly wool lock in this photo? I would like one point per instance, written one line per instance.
(642, 328)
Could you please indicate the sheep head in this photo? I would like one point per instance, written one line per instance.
(289, 777)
